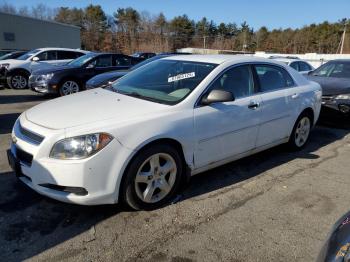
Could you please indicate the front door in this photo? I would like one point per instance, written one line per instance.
(223, 130)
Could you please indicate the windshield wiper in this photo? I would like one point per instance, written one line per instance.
(138, 95)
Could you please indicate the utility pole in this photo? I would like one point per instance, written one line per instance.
(204, 42)
(343, 40)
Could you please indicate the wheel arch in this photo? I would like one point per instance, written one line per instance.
(310, 112)
(167, 141)
(18, 70)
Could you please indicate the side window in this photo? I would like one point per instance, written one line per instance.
(103, 61)
(62, 55)
(238, 80)
(122, 61)
(273, 78)
(295, 66)
(78, 54)
(51, 55)
(42, 56)
(304, 66)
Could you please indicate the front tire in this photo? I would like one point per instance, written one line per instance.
(152, 178)
(69, 87)
(301, 132)
(18, 81)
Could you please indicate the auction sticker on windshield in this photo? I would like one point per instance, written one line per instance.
(181, 77)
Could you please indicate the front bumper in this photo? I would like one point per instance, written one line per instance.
(91, 181)
(44, 87)
(341, 105)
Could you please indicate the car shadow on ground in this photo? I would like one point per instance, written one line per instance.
(11, 99)
(31, 224)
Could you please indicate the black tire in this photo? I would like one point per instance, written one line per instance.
(18, 81)
(129, 195)
(75, 83)
(292, 143)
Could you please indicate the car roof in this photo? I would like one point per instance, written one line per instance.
(61, 49)
(218, 59)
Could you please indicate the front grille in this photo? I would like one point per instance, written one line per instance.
(327, 98)
(24, 157)
(29, 135)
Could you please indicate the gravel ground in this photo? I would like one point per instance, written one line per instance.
(274, 206)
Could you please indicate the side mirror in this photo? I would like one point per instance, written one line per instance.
(310, 72)
(91, 65)
(35, 59)
(216, 96)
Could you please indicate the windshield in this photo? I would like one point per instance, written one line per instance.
(4, 57)
(28, 54)
(163, 81)
(82, 60)
(338, 70)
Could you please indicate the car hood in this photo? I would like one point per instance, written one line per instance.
(332, 85)
(104, 78)
(13, 62)
(53, 69)
(88, 107)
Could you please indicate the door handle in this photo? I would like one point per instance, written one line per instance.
(253, 105)
(295, 96)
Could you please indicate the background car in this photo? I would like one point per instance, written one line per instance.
(143, 55)
(104, 79)
(71, 78)
(17, 71)
(13, 55)
(334, 78)
(139, 139)
(301, 66)
(337, 245)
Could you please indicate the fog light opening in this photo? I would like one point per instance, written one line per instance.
(345, 109)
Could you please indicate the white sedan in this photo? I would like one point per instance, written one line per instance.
(136, 141)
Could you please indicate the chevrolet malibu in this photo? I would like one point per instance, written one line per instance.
(139, 139)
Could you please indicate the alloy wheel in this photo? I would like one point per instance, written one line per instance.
(69, 87)
(18, 82)
(302, 131)
(156, 178)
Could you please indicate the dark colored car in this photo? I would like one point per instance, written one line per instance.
(71, 78)
(105, 79)
(143, 55)
(334, 78)
(337, 246)
(12, 55)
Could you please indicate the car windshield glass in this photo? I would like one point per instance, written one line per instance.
(28, 54)
(146, 62)
(5, 56)
(338, 70)
(82, 60)
(163, 81)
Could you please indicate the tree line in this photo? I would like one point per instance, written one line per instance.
(129, 30)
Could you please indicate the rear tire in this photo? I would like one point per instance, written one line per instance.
(301, 132)
(18, 81)
(152, 178)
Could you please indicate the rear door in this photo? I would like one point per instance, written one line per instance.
(224, 130)
(278, 94)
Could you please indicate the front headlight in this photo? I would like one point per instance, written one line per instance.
(80, 147)
(345, 97)
(5, 65)
(44, 77)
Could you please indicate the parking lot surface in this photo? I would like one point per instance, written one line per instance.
(274, 206)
